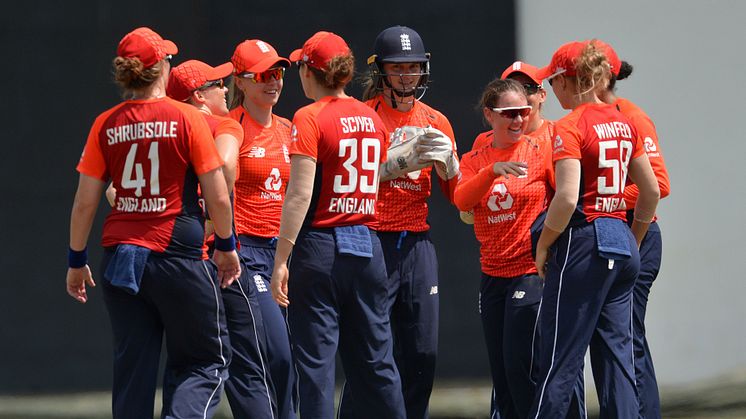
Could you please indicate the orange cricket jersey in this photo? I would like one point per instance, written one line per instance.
(402, 202)
(544, 133)
(152, 150)
(348, 141)
(646, 130)
(264, 164)
(504, 209)
(604, 141)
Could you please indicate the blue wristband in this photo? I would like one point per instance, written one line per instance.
(225, 245)
(77, 258)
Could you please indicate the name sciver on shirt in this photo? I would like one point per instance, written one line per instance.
(357, 124)
(141, 130)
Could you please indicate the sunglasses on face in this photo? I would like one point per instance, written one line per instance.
(513, 112)
(219, 83)
(531, 89)
(265, 77)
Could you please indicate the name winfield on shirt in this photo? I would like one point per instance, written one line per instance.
(353, 206)
(141, 130)
(613, 130)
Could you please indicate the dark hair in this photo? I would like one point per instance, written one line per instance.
(495, 90)
(625, 70)
(235, 94)
(338, 72)
(592, 68)
(130, 74)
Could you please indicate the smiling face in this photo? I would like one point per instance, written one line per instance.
(215, 98)
(262, 94)
(507, 131)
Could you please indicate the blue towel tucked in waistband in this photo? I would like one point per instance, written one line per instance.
(354, 240)
(612, 238)
(126, 267)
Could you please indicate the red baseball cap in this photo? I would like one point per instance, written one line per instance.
(191, 75)
(521, 67)
(563, 60)
(320, 49)
(145, 44)
(614, 61)
(255, 56)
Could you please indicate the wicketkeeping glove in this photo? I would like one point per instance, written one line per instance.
(402, 155)
(434, 146)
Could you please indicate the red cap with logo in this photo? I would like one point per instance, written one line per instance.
(255, 56)
(191, 75)
(146, 45)
(563, 60)
(320, 49)
(614, 61)
(521, 67)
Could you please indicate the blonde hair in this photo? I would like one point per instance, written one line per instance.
(592, 70)
(337, 73)
(131, 75)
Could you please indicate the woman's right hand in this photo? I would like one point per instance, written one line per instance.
(111, 194)
(542, 256)
(279, 284)
(229, 266)
(507, 168)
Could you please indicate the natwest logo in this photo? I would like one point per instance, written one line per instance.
(500, 199)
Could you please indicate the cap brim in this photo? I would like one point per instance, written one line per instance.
(222, 71)
(268, 63)
(544, 73)
(407, 59)
(296, 55)
(534, 77)
(169, 47)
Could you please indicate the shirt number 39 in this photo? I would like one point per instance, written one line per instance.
(361, 164)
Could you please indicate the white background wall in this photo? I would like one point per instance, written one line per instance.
(689, 76)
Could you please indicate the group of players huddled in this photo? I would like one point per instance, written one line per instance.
(262, 247)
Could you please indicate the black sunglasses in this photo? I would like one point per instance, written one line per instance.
(531, 89)
(219, 83)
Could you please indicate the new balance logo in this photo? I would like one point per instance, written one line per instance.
(433, 290)
(518, 295)
(257, 152)
(260, 285)
(406, 45)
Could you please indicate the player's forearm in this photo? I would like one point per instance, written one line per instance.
(215, 192)
(297, 201)
(469, 192)
(84, 211)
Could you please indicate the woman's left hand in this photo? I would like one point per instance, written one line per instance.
(77, 279)
(279, 284)
(542, 256)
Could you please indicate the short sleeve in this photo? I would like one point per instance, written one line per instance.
(305, 133)
(228, 126)
(204, 155)
(566, 142)
(92, 162)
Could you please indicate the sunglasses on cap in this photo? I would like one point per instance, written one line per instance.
(215, 83)
(513, 112)
(531, 88)
(265, 77)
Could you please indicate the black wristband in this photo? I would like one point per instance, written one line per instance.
(225, 245)
(77, 258)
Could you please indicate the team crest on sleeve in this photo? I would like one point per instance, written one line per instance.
(294, 133)
(558, 144)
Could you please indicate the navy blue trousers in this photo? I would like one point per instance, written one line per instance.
(509, 310)
(179, 297)
(258, 255)
(249, 389)
(651, 250)
(586, 301)
(340, 302)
